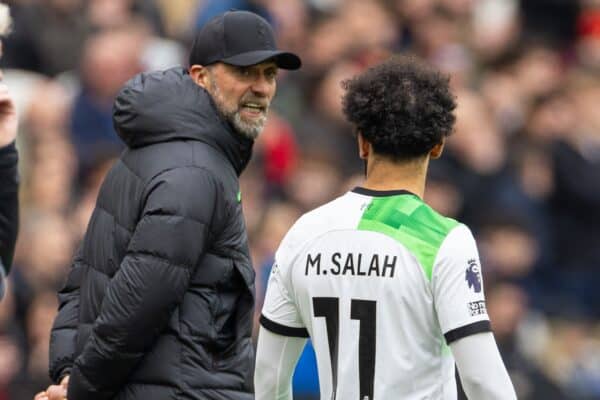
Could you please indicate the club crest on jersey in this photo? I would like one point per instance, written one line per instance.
(473, 276)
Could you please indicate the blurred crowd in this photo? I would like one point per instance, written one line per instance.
(522, 168)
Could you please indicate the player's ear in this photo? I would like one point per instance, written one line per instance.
(199, 75)
(438, 149)
(364, 147)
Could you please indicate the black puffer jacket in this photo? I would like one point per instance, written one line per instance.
(9, 209)
(159, 301)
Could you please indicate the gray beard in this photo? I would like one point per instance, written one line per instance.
(249, 130)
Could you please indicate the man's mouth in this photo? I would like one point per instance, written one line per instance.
(254, 106)
(253, 109)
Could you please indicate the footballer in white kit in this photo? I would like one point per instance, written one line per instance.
(389, 291)
(383, 274)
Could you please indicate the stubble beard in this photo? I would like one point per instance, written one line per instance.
(232, 115)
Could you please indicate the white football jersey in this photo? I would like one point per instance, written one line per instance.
(382, 284)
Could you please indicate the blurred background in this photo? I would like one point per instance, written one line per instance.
(522, 168)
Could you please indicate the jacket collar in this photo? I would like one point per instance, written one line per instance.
(167, 105)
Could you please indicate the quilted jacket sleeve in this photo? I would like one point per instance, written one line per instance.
(9, 205)
(172, 234)
(63, 337)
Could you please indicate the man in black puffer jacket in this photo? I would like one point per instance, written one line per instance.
(159, 301)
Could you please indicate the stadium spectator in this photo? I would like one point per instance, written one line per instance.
(117, 55)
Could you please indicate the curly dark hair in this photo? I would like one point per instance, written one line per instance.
(402, 107)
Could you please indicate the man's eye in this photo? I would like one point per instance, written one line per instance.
(271, 74)
(244, 71)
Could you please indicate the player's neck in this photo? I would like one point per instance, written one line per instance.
(384, 174)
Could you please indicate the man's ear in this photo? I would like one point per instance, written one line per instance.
(364, 147)
(437, 150)
(199, 75)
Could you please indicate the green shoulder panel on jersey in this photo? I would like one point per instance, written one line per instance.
(407, 219)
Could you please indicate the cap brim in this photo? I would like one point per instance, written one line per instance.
(282, 59)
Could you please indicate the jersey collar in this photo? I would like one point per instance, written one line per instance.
(381, 193)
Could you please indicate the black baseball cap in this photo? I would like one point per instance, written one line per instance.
(239, 38)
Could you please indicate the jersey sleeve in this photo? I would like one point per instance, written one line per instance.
(280, 313)
(458, 287)
(276, 359)
(481, 369)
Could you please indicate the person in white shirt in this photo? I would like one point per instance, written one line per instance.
(389, 291)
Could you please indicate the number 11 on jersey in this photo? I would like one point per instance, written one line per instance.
(364, 311)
